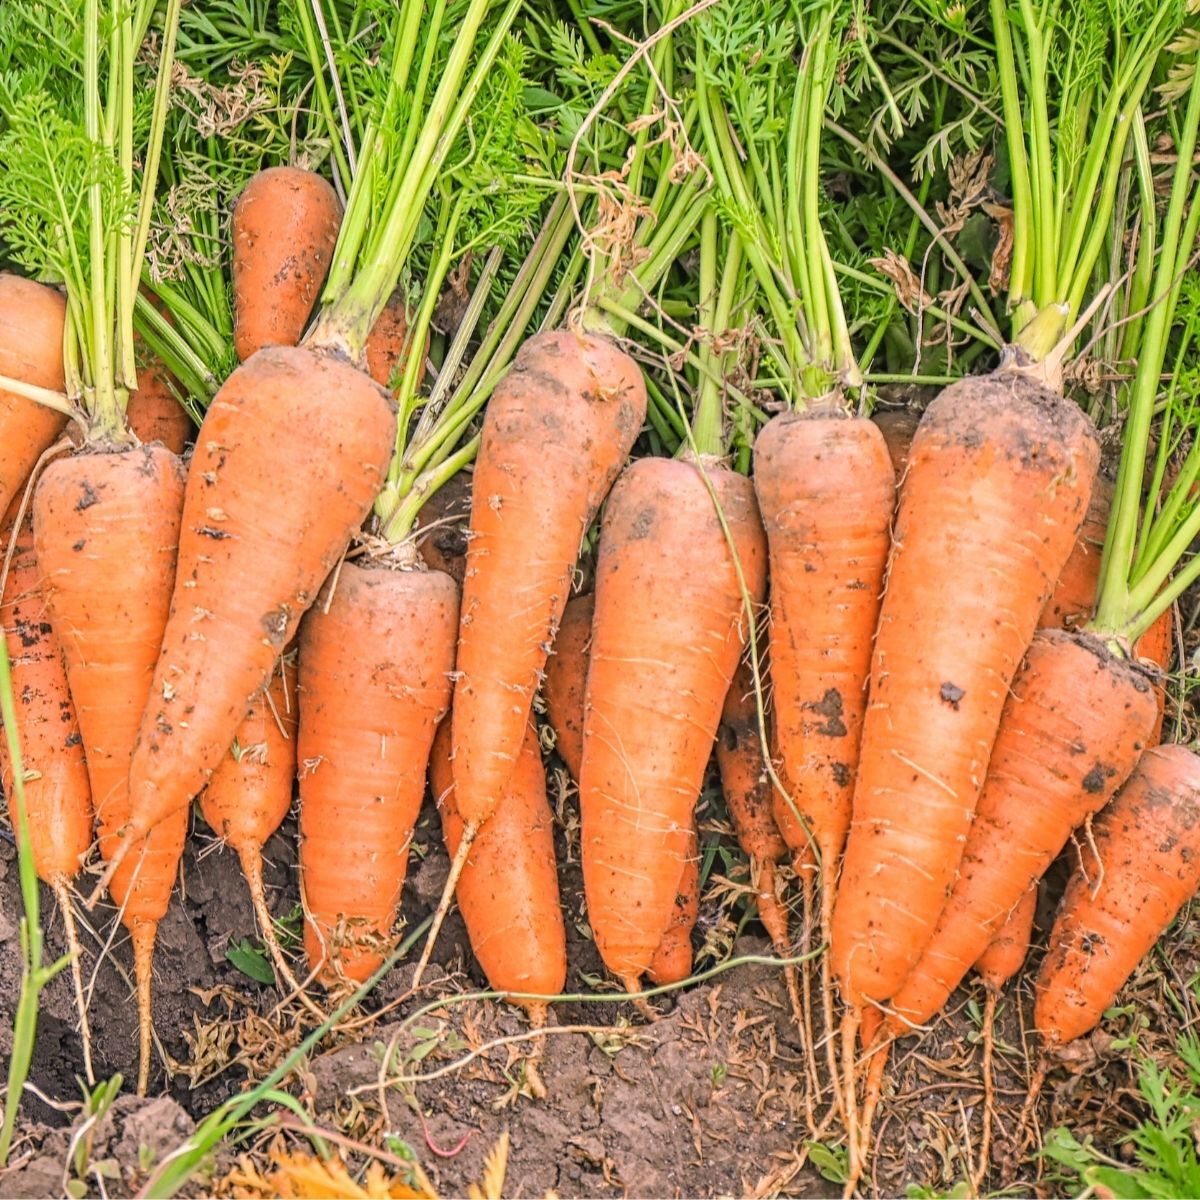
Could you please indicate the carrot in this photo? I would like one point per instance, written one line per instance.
(58, 798)
(250, 792)
(32, 318)
(105, 529)
(748, 792)
(665, 645)
(556, 432)
(997, 487)
(1073, 727)
(899, 427)
(1001, 960)
(285, 225)
(294, 440)
(387, 346)
(154, 415)
(672, 960)
(1122, 896)
(564, 684)
(376, 656)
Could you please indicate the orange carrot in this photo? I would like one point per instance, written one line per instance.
(508, 890)
(32, 317)
(1115, 909)
(666, 640)
(376, 656)
(153, 414)
(285, 225)
(556, 432)
(290, 456)
(387, 346)
(672, 961)
(1076, 722)
(250, 792)
(997, 487)
(1005, 953)
(105, 529)
(749, 791)
(565, 682)
(58, 798)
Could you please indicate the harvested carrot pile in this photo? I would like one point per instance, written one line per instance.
(599, 597)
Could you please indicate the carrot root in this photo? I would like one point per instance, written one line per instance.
(63, 897)
(469, 833)
(143, 934)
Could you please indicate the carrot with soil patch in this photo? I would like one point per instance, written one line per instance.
(508, 888)
(285, 227)
(58, 798)
(32, 324)
(106, 519)
(292, 453)
(250, 793)
(682, 565)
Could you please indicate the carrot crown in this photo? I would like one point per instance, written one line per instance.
(1073, 74)
(72, 204)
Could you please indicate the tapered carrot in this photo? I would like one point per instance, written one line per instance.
(508, 888)
(376, 657)
(32, 318)
(58, 798)
(672, 960)
(285, 225)
(1118, 904)
(275, 455)
(556, 432)
(1073, 727)
(998, 482)
(1073, 600)
(250, 792)
(106, 526)
(748, 791)
(565, 682)
(665, 645)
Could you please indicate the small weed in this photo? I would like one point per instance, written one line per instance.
(833, 1162)
(251, 959)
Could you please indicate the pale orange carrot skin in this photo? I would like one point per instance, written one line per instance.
(376, 657)
(997, 486)
(285, 226)
(153, 413)
(1114, 910)
(666, 639)
(508, 890)
(58, 798)
(32, 319)
(1076, 722)
(281, 477)
(556, 433)
(565, 682)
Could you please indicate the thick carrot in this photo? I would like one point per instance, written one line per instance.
(556, 433)
(288, 460)
(285, 225)
(105, 529)
(58, 797)
(565, 682)
(376, 656)
(899, 427)
(1115, 909)
(827, 493)
(997, 487)
(672, 961)
(508, 890)
(749, 791)
(1073, 727)
(32, 318)
(250, 792)
(666, 639)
